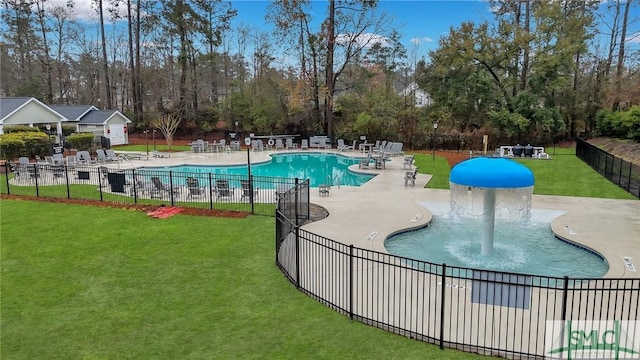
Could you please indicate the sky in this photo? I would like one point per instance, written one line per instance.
(421, 23)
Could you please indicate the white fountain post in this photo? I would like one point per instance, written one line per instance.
(488, 221)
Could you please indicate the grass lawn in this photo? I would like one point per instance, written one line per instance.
(564, 175)
(83, 282)
(143, 148)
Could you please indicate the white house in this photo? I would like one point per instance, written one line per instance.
(418, 97)
(28, 111)
(87, 118)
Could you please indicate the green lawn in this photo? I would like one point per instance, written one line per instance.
(82, 282)
(564, 175)
(143, 148)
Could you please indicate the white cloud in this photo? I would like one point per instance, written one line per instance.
(420, 40)
(86, 10)
(365, 40)
(634, 38)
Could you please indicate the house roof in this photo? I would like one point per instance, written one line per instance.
(10, 105)
(73, 112)
(100, 117)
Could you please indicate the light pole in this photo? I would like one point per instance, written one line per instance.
(247, 141)
(435, 130)
(154, 139)
(48, 127)
(146, 139)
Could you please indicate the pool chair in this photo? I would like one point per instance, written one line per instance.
(364, 163)
(408, 162)
(410, 177)
(160, 189)
(223, 190)
(341, 145)
(279, 144)
(247, 190)
(304, 145)
(158, 154)
(111, 155)
(291, 145)
(84, 158)
(195, 190)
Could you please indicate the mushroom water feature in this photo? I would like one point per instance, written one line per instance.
(483, 187)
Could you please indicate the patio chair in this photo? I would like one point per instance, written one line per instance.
(279, 144)
(84, 158)
(395, 149)
(223, 190)
(408, 162)
(23, 160)
(58, 159)
(304, 145)
(158, 154)
(111, 155)
(101, 156)
(410, 177)
(247, 191)
(291, 144)
(341, 145)
(364, 163)
(160, 188)
(193, 185)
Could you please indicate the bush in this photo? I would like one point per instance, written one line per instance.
(27, 143)
(619, 124)
(19, 129)
(80, 141)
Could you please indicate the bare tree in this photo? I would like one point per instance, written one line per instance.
(168, 124)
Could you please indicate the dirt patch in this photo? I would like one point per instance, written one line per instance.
(138, 207)
(624, 149)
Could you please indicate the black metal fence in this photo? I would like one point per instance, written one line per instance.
(620, 172)
(491, 313)
(258, 194)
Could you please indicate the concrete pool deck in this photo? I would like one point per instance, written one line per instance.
(365, 216)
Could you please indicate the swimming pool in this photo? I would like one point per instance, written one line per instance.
(521, 247)
(319, 168)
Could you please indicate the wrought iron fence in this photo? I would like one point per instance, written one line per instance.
(487, 312)
(620, 172)
(258, 194)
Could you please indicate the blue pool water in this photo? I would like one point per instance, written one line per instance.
(520, 247)
(319, 168)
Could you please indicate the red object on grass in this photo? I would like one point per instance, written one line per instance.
(164, 212)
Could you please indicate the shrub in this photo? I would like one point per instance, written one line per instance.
(80, 141)
(27, 143)
(19, 129)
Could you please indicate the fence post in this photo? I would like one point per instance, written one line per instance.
(628, 178)
(36, 173)
(6, 172)
(443, 280)
(296, 203)
(66, 177)
(297, 235)
(565, 290)
(210, 192)
(171, 187)
(351, 281)
(100, 183)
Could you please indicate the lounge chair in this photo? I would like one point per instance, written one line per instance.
(223, 190)
(408, 162)
(410, 177)
(161, 188)
(193, 185)
(279, 144)
(364, 163)
(304, 145)
(291, 144)
(395, 149)
(341, 145)
(247, 191)
(111, 155)
(58, 159)
(84, 158)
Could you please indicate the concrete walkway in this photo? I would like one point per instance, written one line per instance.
(365, 216)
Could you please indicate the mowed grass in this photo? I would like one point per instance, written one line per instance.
(83, 282)
(159, 147)
(564, 175)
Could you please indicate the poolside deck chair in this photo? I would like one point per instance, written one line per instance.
(410, 177)
(195, 190)
(247, 191)
(291, 144)
(111, 155)
(161, 189)
(84, 158)
(395, 149)
(279, 144)
(341, 145)
(158, 154)
(223, 190)
(304, 145)
(364, 163)
(408, 162)
(101, 156)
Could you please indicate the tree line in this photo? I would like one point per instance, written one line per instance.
(537, 71)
